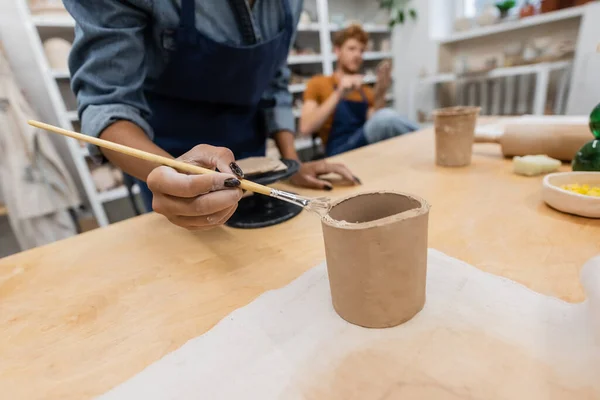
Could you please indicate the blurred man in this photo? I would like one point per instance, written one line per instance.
(346, 113)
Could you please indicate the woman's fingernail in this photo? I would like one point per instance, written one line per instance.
(357, 180)
(232, 183)
(236, 170)
(328, 188)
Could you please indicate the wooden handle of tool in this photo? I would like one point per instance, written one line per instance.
(143, 155)
(487, 139)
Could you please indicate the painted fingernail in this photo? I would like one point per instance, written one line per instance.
(328, 188)
(236, 170)
(357, 180)
(231, 183)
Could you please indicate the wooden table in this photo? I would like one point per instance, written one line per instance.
(80, 316)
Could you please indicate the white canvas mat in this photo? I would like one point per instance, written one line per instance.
(479, 337)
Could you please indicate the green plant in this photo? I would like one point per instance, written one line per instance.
(399, 11)
(505, 6)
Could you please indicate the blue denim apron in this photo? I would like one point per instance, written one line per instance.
(347, 130)
(210, 92)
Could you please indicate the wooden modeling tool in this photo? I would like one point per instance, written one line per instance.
(320, 206)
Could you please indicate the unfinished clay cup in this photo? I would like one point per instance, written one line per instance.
(454, 135)
(376, 250)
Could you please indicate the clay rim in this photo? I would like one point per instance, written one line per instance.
(456, 111)
(413, 212)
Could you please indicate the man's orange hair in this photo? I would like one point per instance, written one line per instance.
(354, 31)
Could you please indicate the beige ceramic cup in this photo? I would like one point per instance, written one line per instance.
(376, 249)
(454, 135)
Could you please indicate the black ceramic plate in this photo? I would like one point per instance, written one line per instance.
(272, 177)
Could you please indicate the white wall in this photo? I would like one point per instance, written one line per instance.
(585, 81)
(413, 51)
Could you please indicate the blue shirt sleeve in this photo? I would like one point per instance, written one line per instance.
(107, 63)
(280, 117)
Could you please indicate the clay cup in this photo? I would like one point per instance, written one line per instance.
(376, 250)
(454, 135)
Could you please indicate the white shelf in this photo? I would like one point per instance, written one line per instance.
(312, 27)
(297, 88)
(305, 59)
(376, 28)
(376, 55)
(373, 55)
(53, 21)
(370, 28)
(116, 194)
(72, 116)
(297, 112)
(568, 13)
(440, 78)
(498, 72)
(61, 74)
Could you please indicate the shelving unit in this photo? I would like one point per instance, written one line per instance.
(568, 13)
(40, 28)
(552, 85)
(61, 74)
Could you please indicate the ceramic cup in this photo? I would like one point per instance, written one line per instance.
(376, 250)
(454, 135)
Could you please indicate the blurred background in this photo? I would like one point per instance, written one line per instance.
(511, 57)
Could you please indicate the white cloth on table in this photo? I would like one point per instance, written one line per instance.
(479, 336)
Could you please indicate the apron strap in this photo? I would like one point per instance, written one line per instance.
(188, 14)
(287, 11)
(239, 7)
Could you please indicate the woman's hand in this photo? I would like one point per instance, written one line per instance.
(198, 202)
(308, 175)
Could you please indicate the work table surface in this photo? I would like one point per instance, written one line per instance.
(83, 315)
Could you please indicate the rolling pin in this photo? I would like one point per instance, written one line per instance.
(561, 140)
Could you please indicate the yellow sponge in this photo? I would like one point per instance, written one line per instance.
(535, 165)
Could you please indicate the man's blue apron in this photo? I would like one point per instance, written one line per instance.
(210, 92)
(347, 129)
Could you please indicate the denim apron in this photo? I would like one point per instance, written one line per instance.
(210, 92)
(347, 129)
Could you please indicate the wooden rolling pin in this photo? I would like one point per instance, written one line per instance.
(560, 141)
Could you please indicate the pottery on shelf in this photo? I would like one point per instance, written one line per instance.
(527, 10)
(542, 44)
(463, 24)
(386, 45)
(370, 45)
(489, 16)
(549, 5)
(57, 51)
(47, 7)
(305, 18)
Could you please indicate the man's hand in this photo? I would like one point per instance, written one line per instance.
(198, 202)
(349, 83)
(309, 172)
(384, 77)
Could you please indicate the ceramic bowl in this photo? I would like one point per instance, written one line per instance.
(570, 202)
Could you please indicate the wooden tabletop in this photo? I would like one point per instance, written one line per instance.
(80, 316)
